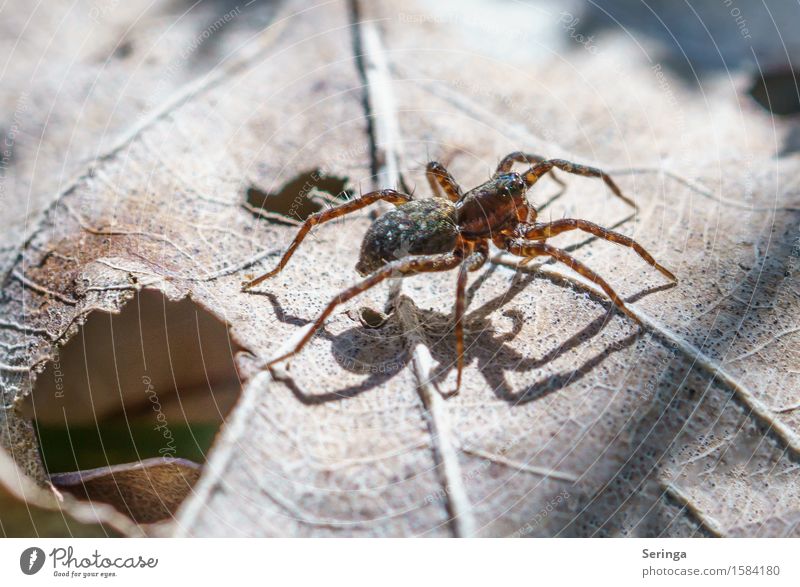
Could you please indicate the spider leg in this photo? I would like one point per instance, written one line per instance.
(530, 249)
(478, 257)
(533, 174)
(519, 157)
(546, 230)
(474, 261)
(440, 181)
(392, 196)
(400, 268)
(461, 302)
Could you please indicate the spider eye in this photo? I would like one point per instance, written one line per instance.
(512, 185)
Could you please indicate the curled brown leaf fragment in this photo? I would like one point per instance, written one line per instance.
(148, 491)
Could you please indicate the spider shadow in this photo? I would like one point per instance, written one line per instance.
(488, 348)
(493, 351)
(345, 351)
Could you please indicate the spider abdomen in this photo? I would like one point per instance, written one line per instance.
(422, 227)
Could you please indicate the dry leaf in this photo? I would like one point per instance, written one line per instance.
(571, 421)
(148, 491)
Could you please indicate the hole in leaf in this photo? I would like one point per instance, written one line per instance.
(777, 91)
(127, 409)
(299, 198)
(370, 318)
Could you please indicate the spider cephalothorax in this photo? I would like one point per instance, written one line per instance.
(453, 230)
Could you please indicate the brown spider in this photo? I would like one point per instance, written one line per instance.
(444, 233)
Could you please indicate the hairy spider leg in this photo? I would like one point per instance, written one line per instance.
(461, 302)
(532, 175)
(402, 267)
(529, 249)
(387, 195)
(546, 230)
(439, 177)
(472, 262)
(519, 157)
(480, 253)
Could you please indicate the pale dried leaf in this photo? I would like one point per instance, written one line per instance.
(570, 422)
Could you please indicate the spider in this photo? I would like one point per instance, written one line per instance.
(453, 230)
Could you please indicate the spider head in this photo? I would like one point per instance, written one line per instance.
(492, 206)
(511, 184)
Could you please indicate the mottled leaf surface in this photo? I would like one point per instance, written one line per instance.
(571, 420)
